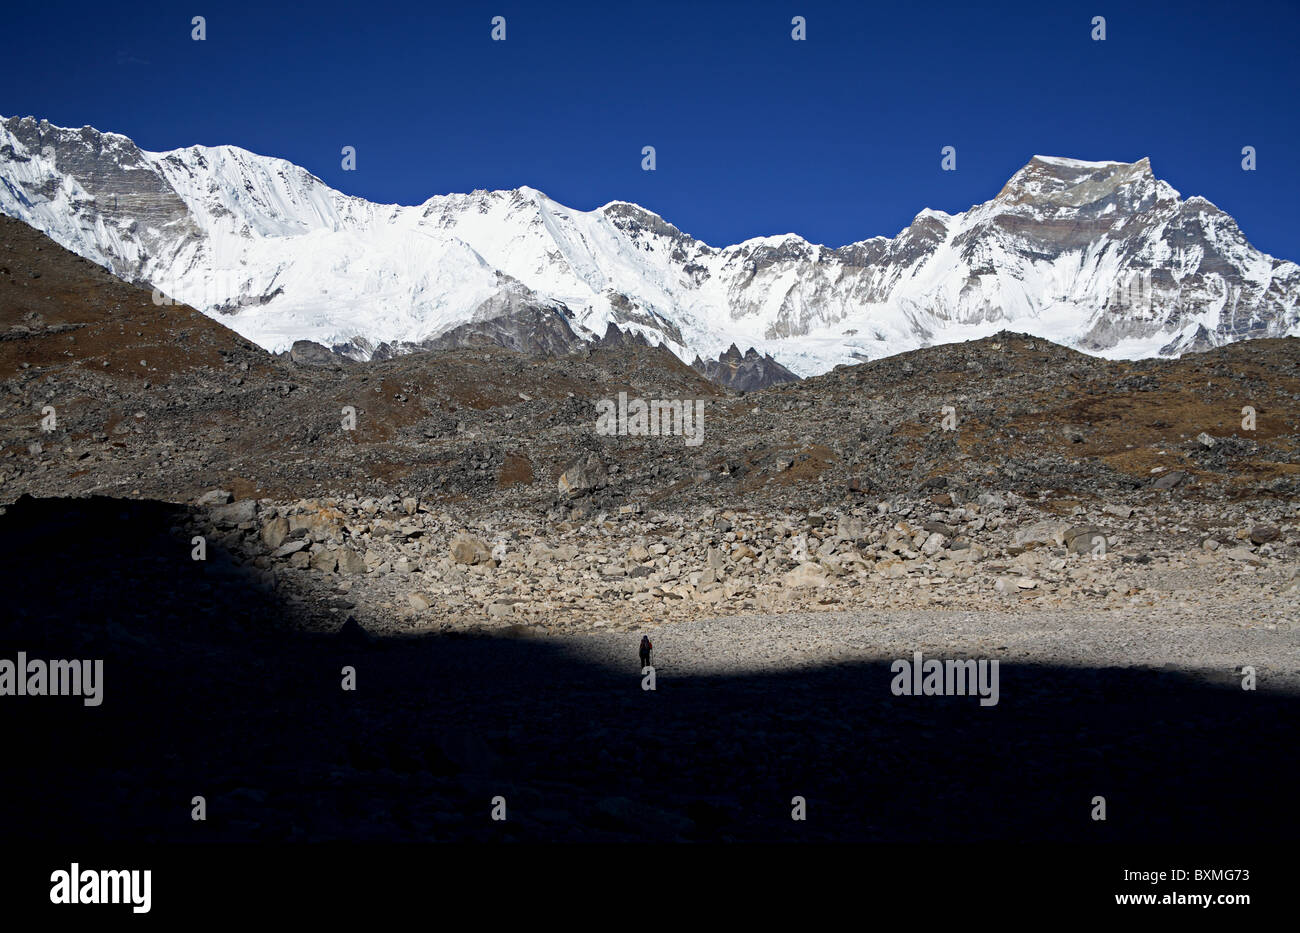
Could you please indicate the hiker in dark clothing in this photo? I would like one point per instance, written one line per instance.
(646, 648)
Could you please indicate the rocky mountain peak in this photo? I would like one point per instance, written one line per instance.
(1055, 181)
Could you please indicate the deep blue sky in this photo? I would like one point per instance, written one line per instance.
(837, 138)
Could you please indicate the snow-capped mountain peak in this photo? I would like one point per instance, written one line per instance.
(1098, 255)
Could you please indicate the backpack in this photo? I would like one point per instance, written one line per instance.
(645, 643)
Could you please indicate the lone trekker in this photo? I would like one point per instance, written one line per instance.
(646, 648)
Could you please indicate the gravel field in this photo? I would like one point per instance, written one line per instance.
(1213, 641)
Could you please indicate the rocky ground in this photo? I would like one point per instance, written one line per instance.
(1124, 536)
(163, 402)
(413, 566)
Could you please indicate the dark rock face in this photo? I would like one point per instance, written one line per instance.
(744, 373)
(618, 338)
(546, 332)
(120, 184)
(626, 311)
(310, 353)
(534, 331)
(1198, 342)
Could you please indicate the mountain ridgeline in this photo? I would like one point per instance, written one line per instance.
(1100, 256)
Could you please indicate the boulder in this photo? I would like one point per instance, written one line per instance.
(806, 574)
(1264, 534)
(275, 531)
(291, 547)
(310, 353)
(324, 560)
(245, 510)
(1083, 539)
(1243, 554)
(968, 554)
(1040, 533)
(933, 544)
(467, 549)
(850, 528)
(319, 523)
(351, 561)
(582, 475)
(419, 602)
(1169, 480)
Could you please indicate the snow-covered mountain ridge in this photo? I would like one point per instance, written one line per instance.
(1101, 256)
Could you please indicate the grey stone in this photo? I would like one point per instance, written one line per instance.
(1169, 480)
(1041, 533)
(324, 560)
(245, 510)
(1084, 539)
(291, 547)
(350, 561)
(1263, 534)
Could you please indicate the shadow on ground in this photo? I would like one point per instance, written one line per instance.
(208, 691)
